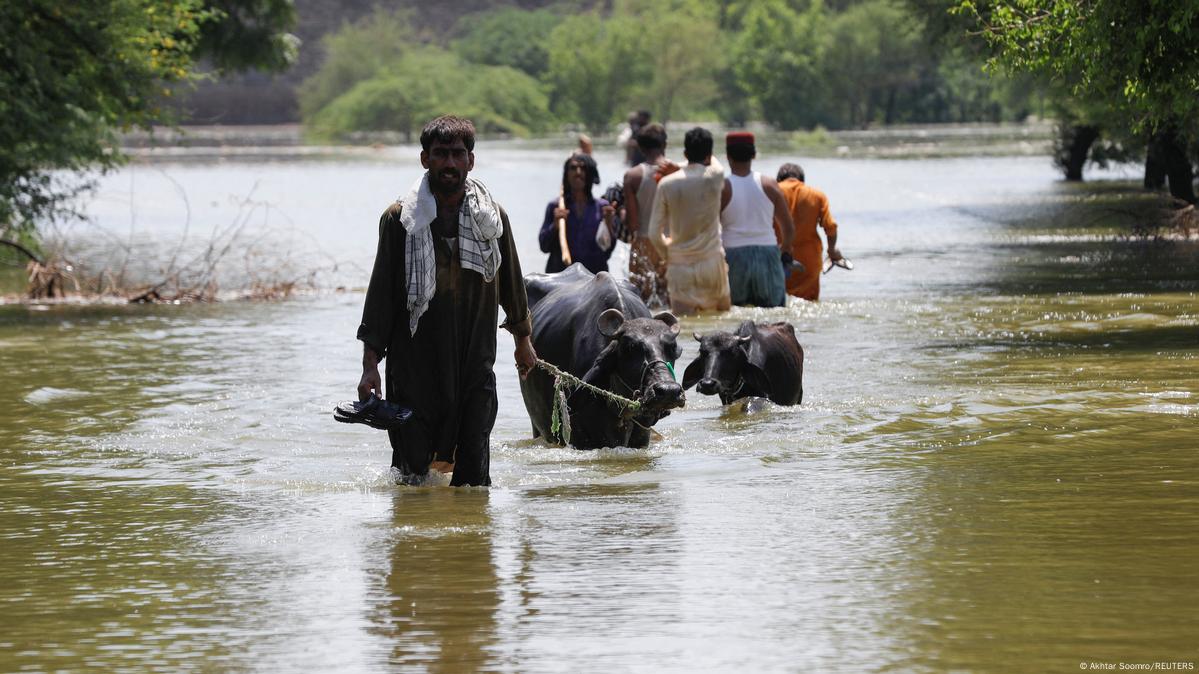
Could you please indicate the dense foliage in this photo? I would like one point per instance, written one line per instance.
(508, 37)
(429, 82)
(1140, 56)
(793, 63)
(73, 74)
(1127, 69)
(247, 34)
(1122, 76)
(79, 72)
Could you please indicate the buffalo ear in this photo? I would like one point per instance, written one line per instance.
(694, 372)
(609, 322)
(697, 337)
(669, 319)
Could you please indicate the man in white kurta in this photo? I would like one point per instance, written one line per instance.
(685, 229)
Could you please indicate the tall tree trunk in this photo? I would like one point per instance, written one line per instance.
(1178, 165)
(1079, 139)
(1155, 165)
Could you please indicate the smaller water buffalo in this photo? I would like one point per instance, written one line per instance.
(760, 359)
(598, 329)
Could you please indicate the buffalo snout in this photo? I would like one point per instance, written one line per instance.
(668, 390)
(708, 386)
(665, 395)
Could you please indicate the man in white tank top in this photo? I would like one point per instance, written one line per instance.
(758, 260)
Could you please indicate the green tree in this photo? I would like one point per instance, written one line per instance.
(74, 74)
(79, 73)
(684, 64)
(507, 100)
(355, 53)
(775, 60)
(1142, 57)
(248, 34)
(384, 103)
(965, 93)
(1089, 129)
(404, 94)
(508, 37)
(875, 56)
(594, 66)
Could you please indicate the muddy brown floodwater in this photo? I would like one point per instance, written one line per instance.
(994, 467)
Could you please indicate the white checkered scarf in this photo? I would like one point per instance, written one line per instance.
(479, 230)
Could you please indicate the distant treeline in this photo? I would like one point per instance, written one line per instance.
(535, 66)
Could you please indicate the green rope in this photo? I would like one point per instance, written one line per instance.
(564, 381)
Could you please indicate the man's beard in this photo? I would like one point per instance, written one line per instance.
(444, 183)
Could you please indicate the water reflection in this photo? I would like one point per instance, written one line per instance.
(436, 601)
(1066, 554)
(593, 574)
(102, 576)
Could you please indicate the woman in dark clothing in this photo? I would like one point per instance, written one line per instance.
(584, 215)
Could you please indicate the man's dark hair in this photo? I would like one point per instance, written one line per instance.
(790, 171)
(651, 137)
(589, 168)
(447, 129)
(697, 145)
(742, 152)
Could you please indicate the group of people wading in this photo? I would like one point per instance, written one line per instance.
(701, 238)
(446, 261)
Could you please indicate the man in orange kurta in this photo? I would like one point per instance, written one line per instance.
(809, 208)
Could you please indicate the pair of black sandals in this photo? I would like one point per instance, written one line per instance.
(374, 412)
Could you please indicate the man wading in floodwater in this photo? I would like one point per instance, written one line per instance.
(446, 261)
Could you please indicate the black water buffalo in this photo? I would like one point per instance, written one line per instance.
(760, 359)
(599, 330)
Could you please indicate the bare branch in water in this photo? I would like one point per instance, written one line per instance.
(271, 266)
